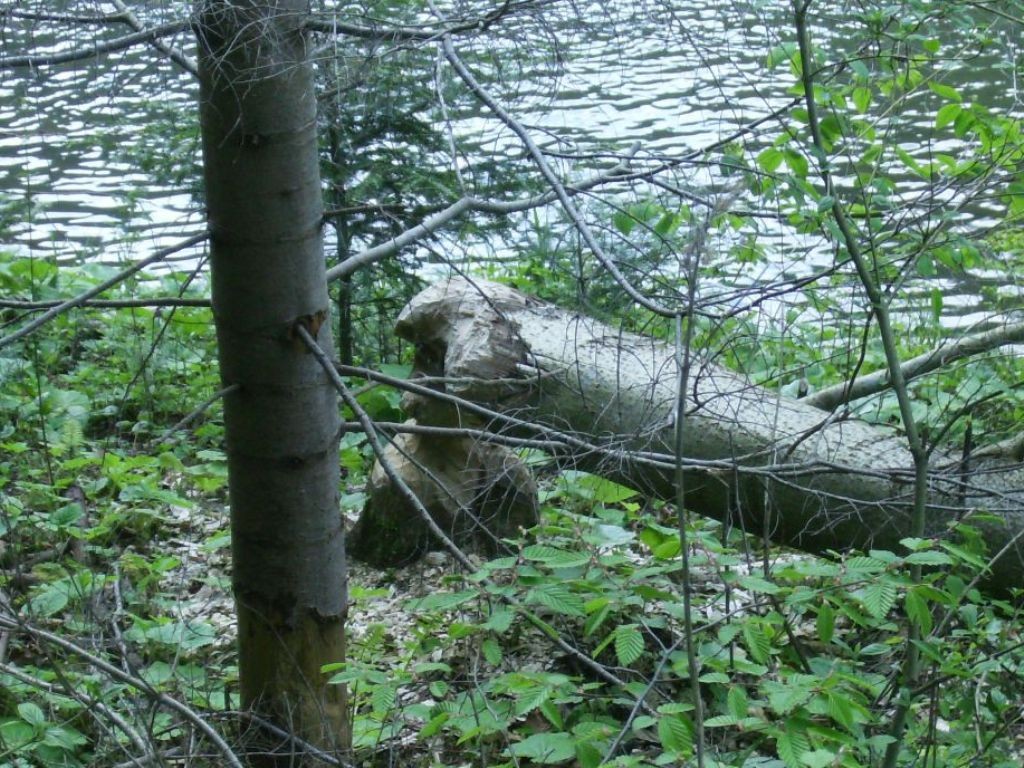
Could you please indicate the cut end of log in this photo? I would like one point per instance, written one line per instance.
(460, 331)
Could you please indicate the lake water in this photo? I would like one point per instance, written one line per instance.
(77, 141)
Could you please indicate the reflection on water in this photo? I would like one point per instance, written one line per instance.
(676, 75)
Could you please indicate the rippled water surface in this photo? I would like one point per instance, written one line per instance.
(77, 143)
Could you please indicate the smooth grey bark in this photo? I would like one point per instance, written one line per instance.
(833, 484)
(263, 193)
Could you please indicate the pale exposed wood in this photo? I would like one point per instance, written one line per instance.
(477, 493)
(772, 463)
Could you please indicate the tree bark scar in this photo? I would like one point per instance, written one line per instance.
(311, 323)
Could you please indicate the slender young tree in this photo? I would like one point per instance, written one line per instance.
(258, 114)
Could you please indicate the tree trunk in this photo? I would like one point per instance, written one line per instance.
(263, 193)
(772, 463)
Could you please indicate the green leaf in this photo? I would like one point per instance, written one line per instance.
(545, 748)
(792, 745)
(826, 622)
(383, 698)
(862, 98)
(916, 607)
(16, 734)
(558, 597)
(879, 598)
(737, 703)
(781, 54)
(623, 222)
(758, 584)
(629, 644)
(796, 163)
(31, 713)
(758, 643)
(783, 698)
(434, 725)
(491, 651)
(722, 721)
(675, 734)
(948, 92)
(863, 564)
(909, 161)
(929, 557)
(947, 115)
(500, 620)
(443, 601)
(597, 618)
(770, 159)
(840, 710)
(818, 758)
(588, 755)
(50, 600)
(554, 557)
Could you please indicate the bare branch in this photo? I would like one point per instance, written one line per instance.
(464, 205)
(554, 182)
(879, 381)
(404, 34)
(174, 54)
(158, 301)
(98, 49)
(64, 306)
(197, 412)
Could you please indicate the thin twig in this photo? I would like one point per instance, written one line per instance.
(174, 54)
(98, 49)
(135, 682)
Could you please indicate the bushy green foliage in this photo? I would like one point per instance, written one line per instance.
(797, 655)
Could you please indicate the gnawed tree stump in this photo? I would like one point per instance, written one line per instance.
(773, 464)
(477, 493)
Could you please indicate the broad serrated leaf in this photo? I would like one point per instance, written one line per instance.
(596, 619)
(491, 651)
(783, 698)
(757, 642)
(500, 620)
(433, 725)
(545, 748)
(840, 710)
(675, 734)
(554, 557)
(737, 702)
(792, 745)
(721, 721)
(818, 758)
(879, 598)
(629, 644)
(558, 597)
(929, 557)
(758, 584)
(443, 601)
(796, 163)
(383, 698)
(916, 607)
(863, 564)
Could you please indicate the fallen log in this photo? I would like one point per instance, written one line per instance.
(772, 464)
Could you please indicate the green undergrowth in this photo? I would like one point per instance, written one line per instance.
(115, 541)
(796, 654)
